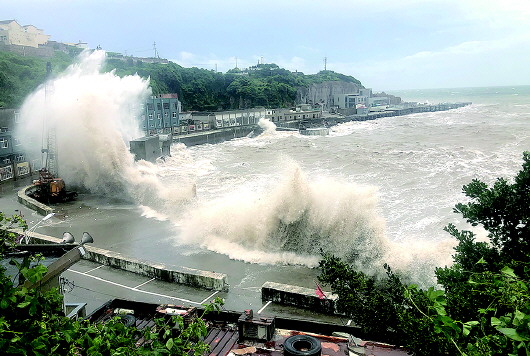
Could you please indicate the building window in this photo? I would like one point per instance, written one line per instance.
(6, 173)
(158, 116)
(150, 106)
(174, 115)
(166, 106)
(159, 106)
(19, 158)
(150, 116)
(7, 161)
(4, 143)
(166, 115)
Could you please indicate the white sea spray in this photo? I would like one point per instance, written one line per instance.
(94, 116)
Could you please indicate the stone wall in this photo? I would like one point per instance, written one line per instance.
(27, 51)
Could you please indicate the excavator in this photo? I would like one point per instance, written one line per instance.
(48, 188)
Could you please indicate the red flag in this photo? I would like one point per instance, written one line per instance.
(319, 292)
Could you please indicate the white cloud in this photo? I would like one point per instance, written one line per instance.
(470, 63)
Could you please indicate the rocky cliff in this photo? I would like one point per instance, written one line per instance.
(323, 92)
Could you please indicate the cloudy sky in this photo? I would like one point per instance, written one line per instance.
(387, 44)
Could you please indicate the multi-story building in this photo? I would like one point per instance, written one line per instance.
(13, 162)
(11, 33)
(363, 98)
(161, 114)
(348, 101)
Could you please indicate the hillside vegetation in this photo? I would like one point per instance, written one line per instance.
(20, 75)
(199, 89)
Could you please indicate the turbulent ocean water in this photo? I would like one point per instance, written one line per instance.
(371, 192)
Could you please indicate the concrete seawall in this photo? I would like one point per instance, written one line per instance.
(300, 297)
(182, 275)
(31, 203)
(215, 136)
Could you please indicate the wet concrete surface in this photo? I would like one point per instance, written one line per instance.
(118, 226)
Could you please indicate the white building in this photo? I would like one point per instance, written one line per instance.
(347, 101)
(363, 98)
(11, 33)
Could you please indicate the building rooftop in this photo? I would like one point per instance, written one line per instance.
(233, 333)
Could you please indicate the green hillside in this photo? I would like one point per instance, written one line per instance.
(20, 75)
(199, 89)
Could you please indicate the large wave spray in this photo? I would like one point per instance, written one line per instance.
(94, 116)
(293, 222)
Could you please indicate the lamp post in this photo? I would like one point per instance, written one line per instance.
(68, 238)
(35, 226)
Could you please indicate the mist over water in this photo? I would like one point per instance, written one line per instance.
(370, 192)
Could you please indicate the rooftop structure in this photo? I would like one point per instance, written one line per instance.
(246, 333)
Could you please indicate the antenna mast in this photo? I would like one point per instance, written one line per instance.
(325, 63)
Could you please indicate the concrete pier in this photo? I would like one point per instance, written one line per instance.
(300, 297)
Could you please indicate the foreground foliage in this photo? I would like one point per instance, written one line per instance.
(32, 321)
(484, 306)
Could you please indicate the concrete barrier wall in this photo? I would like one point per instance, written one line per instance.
(215, 136)
(31, 203)
(300, 297)
(182, 275)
